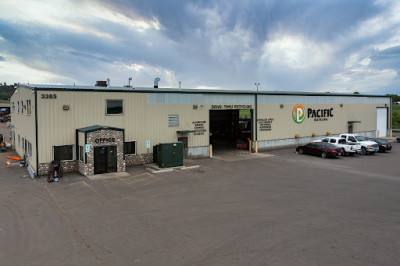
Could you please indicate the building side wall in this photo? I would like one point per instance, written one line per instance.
(145, 117)
(81, 139)
(284, 127)
(23, 123)
(141, 121)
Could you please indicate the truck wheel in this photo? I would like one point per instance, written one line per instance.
(323, 154)
(301, 151)
(363, 151)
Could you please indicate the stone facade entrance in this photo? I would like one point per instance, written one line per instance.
(106, 150)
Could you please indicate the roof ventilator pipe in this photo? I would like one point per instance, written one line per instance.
(156, 80)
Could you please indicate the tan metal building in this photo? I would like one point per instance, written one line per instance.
(95, 129)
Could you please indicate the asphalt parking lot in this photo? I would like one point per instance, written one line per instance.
(273, 208)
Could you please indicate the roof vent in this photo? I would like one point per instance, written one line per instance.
(101, 83)
(156, 80)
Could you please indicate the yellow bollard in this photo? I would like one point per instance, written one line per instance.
(249, 145)
(211, 151)
(256, 147)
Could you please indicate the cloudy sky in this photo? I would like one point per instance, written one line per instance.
(286, 45)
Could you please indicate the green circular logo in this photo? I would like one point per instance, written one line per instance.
(298, 113)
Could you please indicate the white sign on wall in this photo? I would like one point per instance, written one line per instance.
(87, 148)
(148, 144)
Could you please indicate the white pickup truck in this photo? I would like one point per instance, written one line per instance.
(349, 148)
(367, 146)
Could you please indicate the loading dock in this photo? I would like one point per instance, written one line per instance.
(231, 129)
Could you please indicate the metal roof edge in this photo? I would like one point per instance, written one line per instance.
(39, 87)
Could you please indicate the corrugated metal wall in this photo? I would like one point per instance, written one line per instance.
(283, 125)
(301, 99)
(24, 124)
(146, 115)
(141, 121)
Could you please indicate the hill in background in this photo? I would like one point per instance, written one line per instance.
(5, 92)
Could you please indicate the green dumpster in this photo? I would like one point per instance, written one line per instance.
(170, 154)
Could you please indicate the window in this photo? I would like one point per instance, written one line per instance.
(13, 107)
(19, 141)
(28, 107)
(114, 107)
(360, 138)
(325, 140)
(80, 153)
(28, 149)
(352, 139)
(173, 120)
(18, 107)
(23, 143)
(130, 147)
(22, 107)
(63, 153)
(332, 141)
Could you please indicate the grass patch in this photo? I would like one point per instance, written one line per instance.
(396, 107)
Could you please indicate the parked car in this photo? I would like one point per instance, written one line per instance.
(349, 148)
(398, 138)
(367, 146)
(321, 149)
(383, 144)
(5, 118)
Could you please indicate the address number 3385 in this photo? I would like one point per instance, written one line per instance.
(49, 96)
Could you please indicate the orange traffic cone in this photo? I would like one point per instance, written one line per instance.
(8, 163)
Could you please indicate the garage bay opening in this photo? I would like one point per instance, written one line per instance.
(230, 129)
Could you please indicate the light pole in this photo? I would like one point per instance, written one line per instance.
(257, 84)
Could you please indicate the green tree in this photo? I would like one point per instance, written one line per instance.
(396, 120)
(6, 91)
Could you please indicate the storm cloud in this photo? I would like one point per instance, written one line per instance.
(336, 46)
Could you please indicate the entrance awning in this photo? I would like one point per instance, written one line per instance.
(97, 127)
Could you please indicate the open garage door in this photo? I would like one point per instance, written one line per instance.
(381, 122)
(230, 129)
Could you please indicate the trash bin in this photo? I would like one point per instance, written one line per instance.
(170, 154)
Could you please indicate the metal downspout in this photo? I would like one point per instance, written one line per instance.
(37, 135)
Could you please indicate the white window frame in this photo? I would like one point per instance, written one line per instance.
(81, 158)
(28, 148)
(28, 107)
